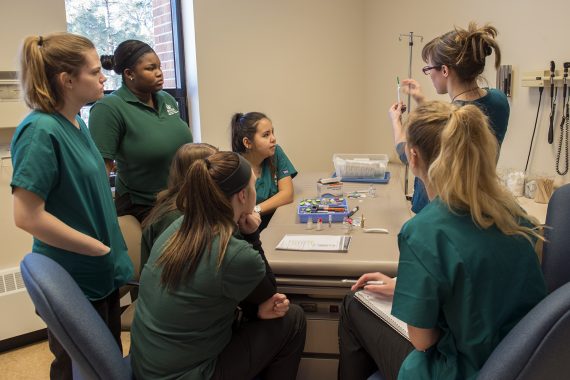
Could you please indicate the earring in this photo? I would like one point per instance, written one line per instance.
(132, 78)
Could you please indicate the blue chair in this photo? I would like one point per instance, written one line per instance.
(537, 347)
(556, 250)
(73, 320)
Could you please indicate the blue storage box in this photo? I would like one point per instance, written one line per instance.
(315, 208)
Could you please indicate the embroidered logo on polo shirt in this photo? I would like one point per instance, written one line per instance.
(171, 110)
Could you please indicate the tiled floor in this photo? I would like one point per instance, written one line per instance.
(32, 362)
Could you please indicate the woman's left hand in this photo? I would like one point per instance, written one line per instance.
(249, 223)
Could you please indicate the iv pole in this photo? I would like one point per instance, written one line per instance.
(411, 37)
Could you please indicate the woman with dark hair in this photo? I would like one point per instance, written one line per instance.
(253, 137)
(455, 62)
(61, 193)
(198, 272)
(138, 127)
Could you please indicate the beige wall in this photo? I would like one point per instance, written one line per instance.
(301, 62)
(325, 71)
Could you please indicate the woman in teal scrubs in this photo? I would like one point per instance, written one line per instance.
(60, 187)
(455, 62)
(467, 272)
(253, 137)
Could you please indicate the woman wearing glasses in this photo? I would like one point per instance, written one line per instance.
(455, 61)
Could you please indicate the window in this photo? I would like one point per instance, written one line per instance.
(157, 22)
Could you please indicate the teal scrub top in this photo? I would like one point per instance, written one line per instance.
(142, 140)
(473, 284)
(179, 334)
(266, 184)
(61, 164)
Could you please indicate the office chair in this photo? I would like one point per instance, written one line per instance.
(132, 233)
(537, 347)
(556, 250)
(73, 320)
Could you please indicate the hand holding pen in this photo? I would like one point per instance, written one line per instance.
(386, 288)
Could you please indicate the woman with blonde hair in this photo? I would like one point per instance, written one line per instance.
(59, 183)
(199, 270)
(455, 63)
(467, 271)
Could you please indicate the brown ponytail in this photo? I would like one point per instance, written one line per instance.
(208, 213)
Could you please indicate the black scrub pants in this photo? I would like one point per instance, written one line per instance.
(110, 310)
(368, 344)
(269, 349)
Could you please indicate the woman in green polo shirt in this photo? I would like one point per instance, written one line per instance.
(60, 187)
(253, 137)
(165, 211)
(198, 272)
(138, 127)
(467, 272)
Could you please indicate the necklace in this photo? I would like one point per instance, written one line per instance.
(464, 92)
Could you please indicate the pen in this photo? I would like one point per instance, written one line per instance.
(398, 81)
(353, 211)
(348, 281)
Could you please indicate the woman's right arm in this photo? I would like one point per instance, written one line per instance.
(31, 216)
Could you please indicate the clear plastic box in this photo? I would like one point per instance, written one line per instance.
(360, 165)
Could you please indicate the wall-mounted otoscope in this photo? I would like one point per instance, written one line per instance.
(552, 103)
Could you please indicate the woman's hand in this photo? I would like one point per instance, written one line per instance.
(412, 87)
(249, 223)
(275, 306)
(395, 112)
(386, 290)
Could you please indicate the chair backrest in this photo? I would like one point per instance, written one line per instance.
(537, 347)
(132, 233)
(556, 251)
(73, 320)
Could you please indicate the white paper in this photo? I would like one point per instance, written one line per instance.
(331, 243)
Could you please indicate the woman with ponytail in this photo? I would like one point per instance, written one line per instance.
(467, 272)
(138, 128)
(60, 187)
(455, 62)
(199, 270)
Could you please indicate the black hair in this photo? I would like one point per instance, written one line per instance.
(126, 56)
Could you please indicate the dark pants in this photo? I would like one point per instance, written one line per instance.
(124, 206)
(368, 344)
(110, 310)
(270, 349)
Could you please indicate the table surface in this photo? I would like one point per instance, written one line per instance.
(367, 252)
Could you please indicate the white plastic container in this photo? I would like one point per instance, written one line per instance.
(360, 165)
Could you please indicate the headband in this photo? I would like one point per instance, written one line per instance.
(238, 179)
(134, 57)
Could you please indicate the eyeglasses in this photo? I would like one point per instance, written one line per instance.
(427, 69)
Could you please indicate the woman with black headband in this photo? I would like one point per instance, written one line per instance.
(138, 127)
(198, 272)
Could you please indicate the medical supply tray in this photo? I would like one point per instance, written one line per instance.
(308, 208)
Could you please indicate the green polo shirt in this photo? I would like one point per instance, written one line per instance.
(473, 284)
(179, 334)
(61, 164)
(141, 139)
(266, 184)
(151, 232)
